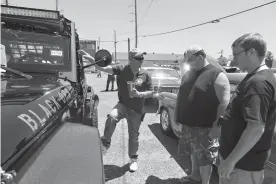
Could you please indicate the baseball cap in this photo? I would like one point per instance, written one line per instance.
(136, 53)
(193, 50)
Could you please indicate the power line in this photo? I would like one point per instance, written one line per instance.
(103, 41)
(136, 27)
(126, 40)
(143, 17)
(115, 45)
(124, 33)
(208, 22)
(107, 41)
(57, 5)
(95, 40)
(197, 25)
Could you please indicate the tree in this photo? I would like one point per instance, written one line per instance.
(269, 59)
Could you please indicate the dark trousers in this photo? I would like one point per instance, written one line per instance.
(120, 111)
(111, 79)
(99, 74)
(118, 80)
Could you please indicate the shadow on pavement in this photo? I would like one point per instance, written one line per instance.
(156, 180)
(269, 180)
(113, 171)
(109, 91)
(171, 144)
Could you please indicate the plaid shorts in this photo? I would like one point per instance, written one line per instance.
(197, 142)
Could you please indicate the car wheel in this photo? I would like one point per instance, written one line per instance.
(165, 122)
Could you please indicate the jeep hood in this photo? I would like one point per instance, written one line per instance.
(26, 107)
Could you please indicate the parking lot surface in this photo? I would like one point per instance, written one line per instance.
(158, 162)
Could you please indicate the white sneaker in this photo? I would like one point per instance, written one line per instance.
(133, 166)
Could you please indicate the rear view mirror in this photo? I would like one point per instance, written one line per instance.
(103, 58)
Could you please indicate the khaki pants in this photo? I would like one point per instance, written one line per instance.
(243, 177)
(120, 111)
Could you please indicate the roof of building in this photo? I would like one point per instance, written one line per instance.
(150, 56)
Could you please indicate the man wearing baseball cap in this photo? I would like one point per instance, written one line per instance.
(202, 98)
(131, 102)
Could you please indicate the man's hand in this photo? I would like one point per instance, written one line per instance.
(215, 132)
(135, 93)
(87, 56)
(158, 96)
(225, 168)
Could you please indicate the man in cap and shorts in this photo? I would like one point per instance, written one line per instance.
(202, 98)
(131, 101)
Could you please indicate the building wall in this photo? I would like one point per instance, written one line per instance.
(88, 46)
(147, 62)
(150, 57)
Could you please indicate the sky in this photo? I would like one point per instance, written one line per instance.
(99, 18)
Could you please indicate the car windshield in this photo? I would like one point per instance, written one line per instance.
(163, 73)
(30, 51)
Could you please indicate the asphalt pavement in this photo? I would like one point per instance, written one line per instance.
(158, 162)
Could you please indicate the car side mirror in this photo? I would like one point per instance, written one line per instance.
(102, 58)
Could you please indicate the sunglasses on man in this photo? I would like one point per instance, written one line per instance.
(195, 54)
(140, 59)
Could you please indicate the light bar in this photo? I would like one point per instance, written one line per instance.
(8, 10)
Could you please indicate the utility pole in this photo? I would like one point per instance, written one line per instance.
(99, 42)
(115, 44)
(7, 2)
(56, 5)
(136, 34)
(128, 44)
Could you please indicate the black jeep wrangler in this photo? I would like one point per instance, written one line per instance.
(49, 114)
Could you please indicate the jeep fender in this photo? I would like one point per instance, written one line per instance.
(72, 155)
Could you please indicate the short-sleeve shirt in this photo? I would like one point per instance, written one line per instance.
(252, 102)
(142, 82)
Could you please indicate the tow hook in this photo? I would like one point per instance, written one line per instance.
(7, 177)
